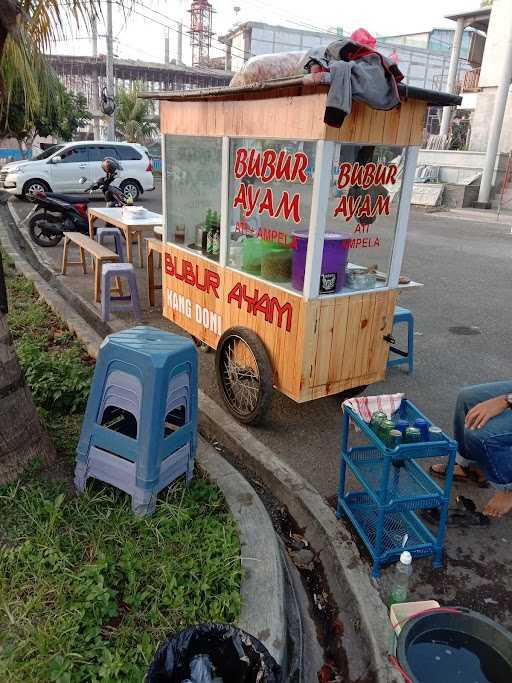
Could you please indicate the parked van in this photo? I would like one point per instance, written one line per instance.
(60, 167)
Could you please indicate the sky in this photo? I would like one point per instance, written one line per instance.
(140, 35)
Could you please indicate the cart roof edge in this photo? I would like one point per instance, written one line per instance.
(286, 87)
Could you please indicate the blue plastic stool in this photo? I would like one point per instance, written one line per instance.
(140, 427)
(102, 233)
(115, 303)
(403, 315)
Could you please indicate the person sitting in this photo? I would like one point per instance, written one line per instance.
(482, 427)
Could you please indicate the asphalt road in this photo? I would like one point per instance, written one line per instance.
(463, 335)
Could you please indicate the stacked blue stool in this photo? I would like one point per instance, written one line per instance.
(140, 427)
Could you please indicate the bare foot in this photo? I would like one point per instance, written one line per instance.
(499, 505)
(459, 472)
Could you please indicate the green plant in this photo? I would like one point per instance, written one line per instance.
(87, 590)
(135, 119)
(58, 381)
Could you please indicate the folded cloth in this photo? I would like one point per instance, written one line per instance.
(365, 406)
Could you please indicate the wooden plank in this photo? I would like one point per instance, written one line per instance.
(338, 341)
(392, 120)
(418, 123)
(324, 336)
(353, 322)
(364, 335)
(290, 116)
(404, 125)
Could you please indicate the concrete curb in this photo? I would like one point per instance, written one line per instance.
(363, 613)
(262, 590)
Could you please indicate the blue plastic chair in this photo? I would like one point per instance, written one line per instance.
(403, 315)
(140, 427)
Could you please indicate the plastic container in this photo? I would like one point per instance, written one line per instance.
(452, 644)
(253, 251)
(334, 261)
(401, 578)
(276, 264)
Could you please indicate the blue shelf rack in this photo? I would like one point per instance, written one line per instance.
(393, 488)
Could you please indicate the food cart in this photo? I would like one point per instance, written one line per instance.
(283, 237)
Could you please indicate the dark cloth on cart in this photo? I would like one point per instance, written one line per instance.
(357, 73)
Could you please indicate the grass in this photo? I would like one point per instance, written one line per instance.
(88, 590)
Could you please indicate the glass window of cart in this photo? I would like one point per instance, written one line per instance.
(192, 192)
(362, 210)
(270, 191)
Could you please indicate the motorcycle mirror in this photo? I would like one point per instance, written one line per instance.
(82, 180)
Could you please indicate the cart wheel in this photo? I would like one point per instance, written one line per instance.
(201, 345)
(244, 374)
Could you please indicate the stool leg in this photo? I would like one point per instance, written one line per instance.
(65, 256)
(80, 476)
(410, 344)
(134, 294)
(159, 260)
(97, 280)
(143, 502)
(140, 247)
(105, 295)
(119, 246)
(82, 260)
(151, 276)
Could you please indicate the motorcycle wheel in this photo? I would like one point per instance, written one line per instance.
(39, 235)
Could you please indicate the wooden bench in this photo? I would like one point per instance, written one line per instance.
(152, 245)
(99, 253)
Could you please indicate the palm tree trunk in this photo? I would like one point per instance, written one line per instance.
(22, 436)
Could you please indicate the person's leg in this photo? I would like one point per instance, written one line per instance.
(491, 448)
(467, 398)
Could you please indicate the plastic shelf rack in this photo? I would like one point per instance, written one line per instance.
(392, 488)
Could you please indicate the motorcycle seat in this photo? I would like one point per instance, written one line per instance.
(71, 198)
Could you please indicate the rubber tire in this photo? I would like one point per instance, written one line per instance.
(43, 184)
(264, 368)
(55, 238)
(129, 181)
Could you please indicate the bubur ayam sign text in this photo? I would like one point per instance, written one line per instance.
(270, 165)
(196, 275)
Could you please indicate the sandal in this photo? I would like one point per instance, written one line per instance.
(469, 475)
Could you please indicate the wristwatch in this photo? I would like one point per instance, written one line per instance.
(508, 399)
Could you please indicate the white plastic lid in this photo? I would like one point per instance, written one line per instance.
(406, 557)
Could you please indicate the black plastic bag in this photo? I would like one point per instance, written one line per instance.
(236, 656)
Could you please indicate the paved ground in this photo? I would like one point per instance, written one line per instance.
(466, 268)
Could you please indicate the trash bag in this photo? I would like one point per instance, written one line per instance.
(236, 657)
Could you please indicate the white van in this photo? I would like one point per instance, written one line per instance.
(59, 168)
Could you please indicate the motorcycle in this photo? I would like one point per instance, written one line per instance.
(56, 213)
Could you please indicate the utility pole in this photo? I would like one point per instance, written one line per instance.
(500, 104)
(166, 49)
(180, 43)
(95, 82)
(111, 127)
(452, 74)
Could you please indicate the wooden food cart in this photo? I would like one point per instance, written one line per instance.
(283, 237)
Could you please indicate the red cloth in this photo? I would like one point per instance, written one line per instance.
(361, 35)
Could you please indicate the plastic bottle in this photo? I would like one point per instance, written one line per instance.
(401, 578)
